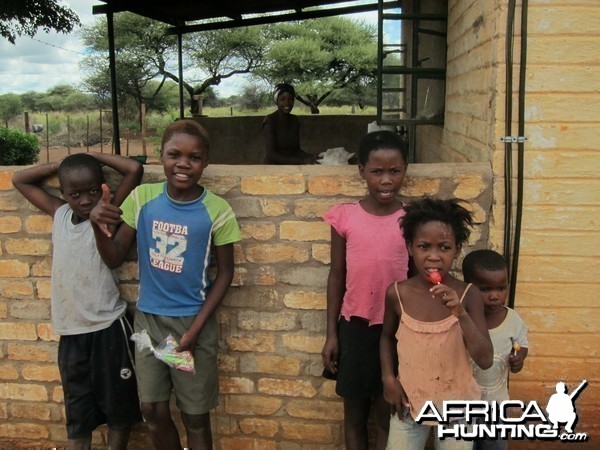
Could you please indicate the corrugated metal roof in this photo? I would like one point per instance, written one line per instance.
(195, 15)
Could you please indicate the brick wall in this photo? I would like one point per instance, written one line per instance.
(471, 90)
(272, 322)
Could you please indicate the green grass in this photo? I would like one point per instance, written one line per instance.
(72, 129)
(299, 109)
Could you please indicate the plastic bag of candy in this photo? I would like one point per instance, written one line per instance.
(165, 351)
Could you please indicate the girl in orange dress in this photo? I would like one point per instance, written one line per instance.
(432, 323)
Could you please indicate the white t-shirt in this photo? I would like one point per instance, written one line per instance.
(494, 381)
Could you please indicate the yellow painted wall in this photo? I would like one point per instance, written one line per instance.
(556, 291)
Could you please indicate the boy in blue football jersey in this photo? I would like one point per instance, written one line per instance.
(176, 223)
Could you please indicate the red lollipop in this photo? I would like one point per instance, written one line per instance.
(435, 277)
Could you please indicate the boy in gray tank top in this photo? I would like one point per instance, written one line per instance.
(87, 311)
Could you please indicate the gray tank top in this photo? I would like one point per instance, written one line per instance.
(85, 296)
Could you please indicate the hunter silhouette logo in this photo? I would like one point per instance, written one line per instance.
(561, 408)
(509, 419)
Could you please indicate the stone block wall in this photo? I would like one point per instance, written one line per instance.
(272, 322)
(239, 140)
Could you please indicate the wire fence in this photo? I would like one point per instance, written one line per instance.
(60, 134)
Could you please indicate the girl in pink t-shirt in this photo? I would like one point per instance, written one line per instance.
(368, 252)
(432, 322)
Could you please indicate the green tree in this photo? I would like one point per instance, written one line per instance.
(320, 56)
(215, 55)
(167, 98)
(54, 99)
(10, 106)
(141, 46)
(144, 53)
(211, 98)
(360, 94)
(29, 100)
(254, 96)
(79, 101)
(24, 17)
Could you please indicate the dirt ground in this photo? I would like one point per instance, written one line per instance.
(128, 148)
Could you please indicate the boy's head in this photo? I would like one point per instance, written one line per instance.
(189, 127)
(487, 270)
(381, 140)
(184, 155)
(81, 177)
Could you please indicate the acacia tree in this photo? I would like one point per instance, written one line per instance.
(10, 106)
(24, 17)
(319, 56)
(215, 55)
(145, 52)
(139, 44)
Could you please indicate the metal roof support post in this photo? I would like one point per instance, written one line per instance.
(180, 62)
(113, 82)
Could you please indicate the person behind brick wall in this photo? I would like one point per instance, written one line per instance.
(176, 223)
(281, 130)
(431, 328)
(368, 252)
(487, 270)
(94, 352)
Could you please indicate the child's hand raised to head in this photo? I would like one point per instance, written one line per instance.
(105, 214)
(449, 298)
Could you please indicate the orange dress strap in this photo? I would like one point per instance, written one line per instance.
(465, 292)
(398, 295)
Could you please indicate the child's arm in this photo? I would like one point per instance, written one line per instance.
(472, 321)
(516, 361)
(520, 342)
(28, 183)
(107, 213)
(392, 389)
(336, 286)
(475, 332)
(221, 283)
(112, 250)
(131, 170)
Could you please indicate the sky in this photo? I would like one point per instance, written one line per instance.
(49, 59)
(46, 60)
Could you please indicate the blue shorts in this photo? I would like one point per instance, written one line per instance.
(98, 379)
